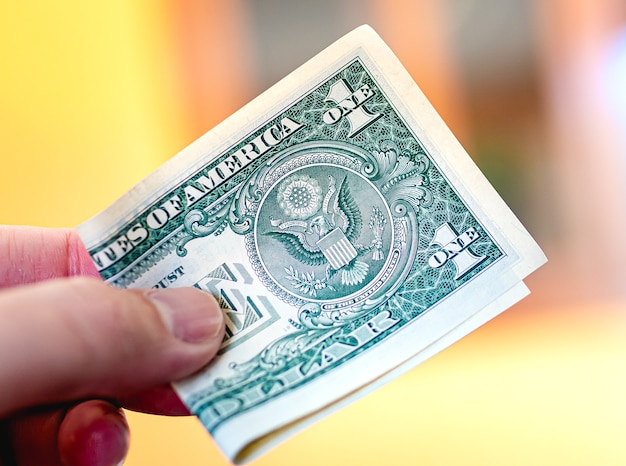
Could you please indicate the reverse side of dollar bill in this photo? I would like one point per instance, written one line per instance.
(344, 230)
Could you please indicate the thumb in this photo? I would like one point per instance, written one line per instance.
(75, 338)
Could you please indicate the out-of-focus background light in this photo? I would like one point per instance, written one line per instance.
(95, 95)
(615, 76)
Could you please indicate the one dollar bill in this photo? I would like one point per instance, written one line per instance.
(342, 227)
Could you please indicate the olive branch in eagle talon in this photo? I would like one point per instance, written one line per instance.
(320, 231)
(306, 281)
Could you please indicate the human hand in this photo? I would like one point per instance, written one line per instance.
(73, 351)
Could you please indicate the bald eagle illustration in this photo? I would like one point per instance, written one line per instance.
(321, 231)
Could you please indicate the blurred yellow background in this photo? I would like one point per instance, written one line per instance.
(95, 95)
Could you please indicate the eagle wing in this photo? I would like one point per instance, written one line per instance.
(351, 211)
(296, 248)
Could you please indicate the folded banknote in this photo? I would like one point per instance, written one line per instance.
(345, 232)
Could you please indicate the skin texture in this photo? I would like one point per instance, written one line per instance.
(74, 351)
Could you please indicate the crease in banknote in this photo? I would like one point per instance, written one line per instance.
(328, 228)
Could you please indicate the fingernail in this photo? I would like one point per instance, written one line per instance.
(189, 314)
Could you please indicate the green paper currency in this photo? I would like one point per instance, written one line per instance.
(344, 231)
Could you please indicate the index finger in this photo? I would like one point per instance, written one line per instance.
(32, 254)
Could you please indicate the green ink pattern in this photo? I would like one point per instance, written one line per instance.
(377, 191)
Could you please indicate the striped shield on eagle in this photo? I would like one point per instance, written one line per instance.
(319, 228)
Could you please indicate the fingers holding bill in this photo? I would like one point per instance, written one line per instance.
(72, 343)
(79, 338)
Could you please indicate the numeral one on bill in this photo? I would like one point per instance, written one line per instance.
(342, 228)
